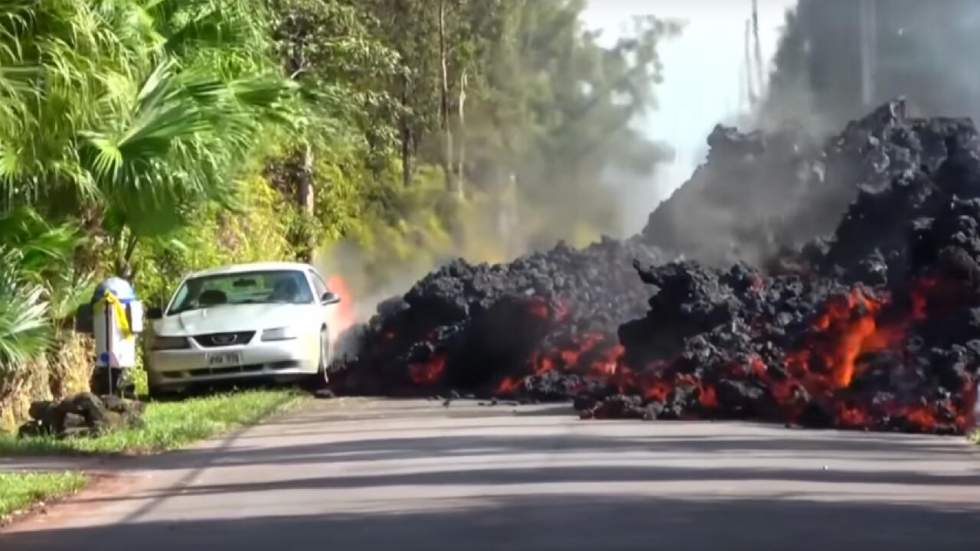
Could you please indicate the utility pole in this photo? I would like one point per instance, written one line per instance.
(869, 50)
(759, 65)
(749, 72)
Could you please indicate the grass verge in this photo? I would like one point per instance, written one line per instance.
(18, 491)
(167, 425)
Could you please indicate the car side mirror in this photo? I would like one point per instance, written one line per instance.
(329, 298)
(154, 313)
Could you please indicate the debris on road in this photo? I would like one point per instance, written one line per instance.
(324, 394)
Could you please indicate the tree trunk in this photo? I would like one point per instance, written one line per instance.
(461, 171)
(307, 191)
(406, 136)
(306, 196)
(447, 133)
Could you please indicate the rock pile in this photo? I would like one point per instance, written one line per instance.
(474, 327)
(876, 327)
(83, 414)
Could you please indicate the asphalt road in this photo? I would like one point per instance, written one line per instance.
(407, 475)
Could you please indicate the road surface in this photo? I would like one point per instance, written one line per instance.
(406, 475)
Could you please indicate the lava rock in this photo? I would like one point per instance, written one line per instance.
(83, 414)
(831, 284)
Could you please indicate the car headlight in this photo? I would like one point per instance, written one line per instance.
(280, 334)
(170, 343)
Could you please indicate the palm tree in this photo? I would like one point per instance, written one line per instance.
(124, 116)
(131, 112)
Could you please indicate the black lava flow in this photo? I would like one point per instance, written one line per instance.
(862, 308)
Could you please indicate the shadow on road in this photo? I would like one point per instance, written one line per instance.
(406, 476)
(456, 442)
(559, 523)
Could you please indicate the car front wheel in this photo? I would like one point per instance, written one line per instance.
(322, 377)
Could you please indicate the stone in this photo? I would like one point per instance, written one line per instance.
(72, 421)
(82, 415)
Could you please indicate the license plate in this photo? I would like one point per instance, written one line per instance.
(224, 359)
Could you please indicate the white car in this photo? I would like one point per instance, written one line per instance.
(244, 321)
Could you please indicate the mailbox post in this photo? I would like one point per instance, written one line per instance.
(117, 317)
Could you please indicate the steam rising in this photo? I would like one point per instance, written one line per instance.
(768, 192)
(836, 60)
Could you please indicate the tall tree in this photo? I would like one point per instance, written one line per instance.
(327, 49)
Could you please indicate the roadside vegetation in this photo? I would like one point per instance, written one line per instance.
(148, 139)
(18, 491)
(167, 425)
(974, 437)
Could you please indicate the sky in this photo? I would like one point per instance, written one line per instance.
(702, 72)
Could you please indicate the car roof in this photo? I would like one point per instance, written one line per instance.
(253, 267)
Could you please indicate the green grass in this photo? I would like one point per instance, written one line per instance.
(167, 425)
(20, 490)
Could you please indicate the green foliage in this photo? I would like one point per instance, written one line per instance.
(23, 316)
(257, 232)
(167, 425)
(176, 145)
(46, 255)
(129, 112)
(327, 47)
(18, 491)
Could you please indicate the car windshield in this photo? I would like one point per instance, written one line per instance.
(260, 287)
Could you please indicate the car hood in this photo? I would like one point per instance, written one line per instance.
(233, 317)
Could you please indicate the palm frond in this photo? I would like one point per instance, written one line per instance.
(68, 290)
(24, 333)
(43, 249)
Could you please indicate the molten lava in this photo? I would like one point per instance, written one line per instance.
(429, 372)
(539, 309)
(874, 328)
(507, 386)
(846, 328)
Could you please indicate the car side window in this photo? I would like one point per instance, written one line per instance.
(319, 285)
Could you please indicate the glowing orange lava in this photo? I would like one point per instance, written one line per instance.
(852, 416)
(539, 309)
(543, 365)
(507, 386)
(428, 372)
(840, 334)
(609, 361)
